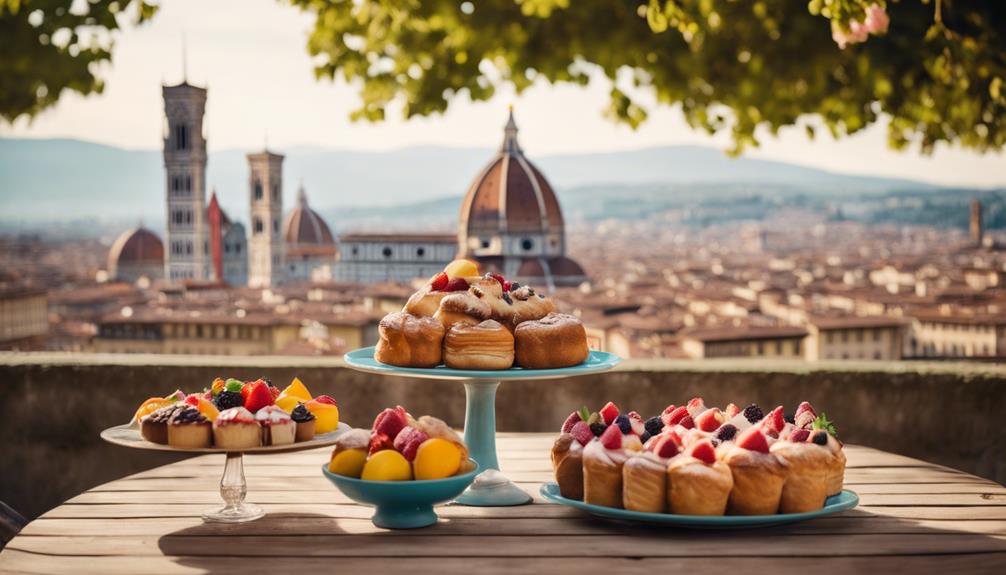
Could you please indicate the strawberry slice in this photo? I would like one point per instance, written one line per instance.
(704, 451)
(581, 432)
(439, 282)
(274, 391)
(258, 396)
(572, 420)
(326, 399)
(709, 420)
(667, 445)
(676, 416)
(687, 422)
(774, 421)
(192, 399)
(753, 439)
(731, 410)
(608, 413)
(379, 442)
(636, 421)
(390, 421)
(612, 438)
(799, 435)
(805, 406)
(696, 405)
(805, 416)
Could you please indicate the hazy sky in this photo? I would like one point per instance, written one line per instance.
(252, 55)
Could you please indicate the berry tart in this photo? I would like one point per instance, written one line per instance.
(188, 428)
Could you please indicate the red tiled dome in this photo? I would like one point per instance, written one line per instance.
(137, 246)
(510, 195)
(304, 226)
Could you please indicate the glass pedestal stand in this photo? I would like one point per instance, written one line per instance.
(233, 489)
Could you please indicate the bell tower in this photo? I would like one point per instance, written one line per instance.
(266, 253)
(187, 247)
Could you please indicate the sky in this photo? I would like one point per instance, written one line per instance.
(252, 56)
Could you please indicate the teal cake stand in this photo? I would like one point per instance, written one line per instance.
(491, 488)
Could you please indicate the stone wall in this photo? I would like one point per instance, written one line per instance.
(53, 406)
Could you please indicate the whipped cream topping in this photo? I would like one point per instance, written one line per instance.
(235, 415)
(271, 415)
(596, 450)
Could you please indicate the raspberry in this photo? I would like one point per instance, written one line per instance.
(598, 428)
(572, 420)
(696, 405)
(799, 436)
(623, 423)
(581, 432)
(609, 412)
(439, 281)
(674, 417)
(727, 432)
(456, 284)
(654, 425)
(753, 413)
(708, 420)
(704, 451)
(612, 438)
(379, 442)
(731, 410)
(687, 422)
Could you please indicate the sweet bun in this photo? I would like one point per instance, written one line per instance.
(409, 341)
(425, 302)
(529, 306)
(486, 345)
(462, 307)
(554, 341)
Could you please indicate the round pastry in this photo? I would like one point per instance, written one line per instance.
(462, 307)
(528, 305)
(409, 341)
(554, 341)
(487, 345)
(425, 302)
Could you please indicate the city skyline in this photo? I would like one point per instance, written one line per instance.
(294, 109)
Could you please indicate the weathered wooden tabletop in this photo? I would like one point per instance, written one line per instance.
(914, 517)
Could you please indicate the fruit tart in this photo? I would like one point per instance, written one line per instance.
(567, 454)
(236, 428)
(758, 475)
(644, 475)
(698, 483)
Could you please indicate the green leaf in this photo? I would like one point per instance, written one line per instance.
(822, 423)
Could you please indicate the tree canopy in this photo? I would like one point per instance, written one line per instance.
(48, 46)
(938, 71)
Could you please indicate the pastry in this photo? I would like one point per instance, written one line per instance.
(463, 307)
(603, 459)
(236, 428)
(487, 345)
(567, 455)
(277, 426)
(644, 478)
(189, 429)
(305, 421)
(151, 405)
(528, 305)
(409, 341)
(758, 475)
(556, 340)
(154, 427)
(806, 418)
(698, 483)
(806, 485)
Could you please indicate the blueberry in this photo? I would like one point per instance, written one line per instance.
(623, 423)
(514, 286)
(753, 413)
(506, 298)
(726, 433)
(645, 437)
(820, 438)
(790, 419)
(654, 424)
(598, 428)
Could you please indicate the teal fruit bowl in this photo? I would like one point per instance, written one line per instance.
(402, 504)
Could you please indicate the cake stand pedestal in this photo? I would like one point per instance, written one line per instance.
(491, 488)
(233, 489)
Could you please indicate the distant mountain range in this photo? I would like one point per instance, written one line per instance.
(45, 181)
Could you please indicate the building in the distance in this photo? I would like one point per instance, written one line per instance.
(265, 191)
(311, 248)
(376, 258)
(136, 253)
(24, 319)
(511, 221)
(228, 246)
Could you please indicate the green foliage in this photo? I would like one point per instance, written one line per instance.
(731, 65)
(46, 48)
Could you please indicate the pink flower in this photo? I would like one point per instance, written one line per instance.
(857, 33)
(876, 19)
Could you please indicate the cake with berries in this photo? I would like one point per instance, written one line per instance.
(305, 421)
(277, 426)
(694, 459)
(154, 426)
(188, 428)
(236, 428)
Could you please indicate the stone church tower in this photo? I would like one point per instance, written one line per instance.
(187, 246)
(267, 258)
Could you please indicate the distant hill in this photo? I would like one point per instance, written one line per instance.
(76, 181)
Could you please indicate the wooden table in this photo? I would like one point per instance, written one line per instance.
(914, 517)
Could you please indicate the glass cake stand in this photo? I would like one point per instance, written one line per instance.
(233, 487)
(491, 488)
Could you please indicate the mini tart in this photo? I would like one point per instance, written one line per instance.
(758, 480)
(154, 426)
(806, 483)
(695, 487)
(236, 428)
(305, 421)
(462, 307)
(487, 345)
(189, 429)
(557, 340)
(277, 426)
(409, 341)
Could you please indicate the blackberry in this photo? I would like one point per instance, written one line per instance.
(506, 298)
(727, 432)
(645, 437)
(753, 413)
(654, 424)
(790, 419)
(228, 399)
(597, 429)
(820, 438)
(514, 286)
(623, 423)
